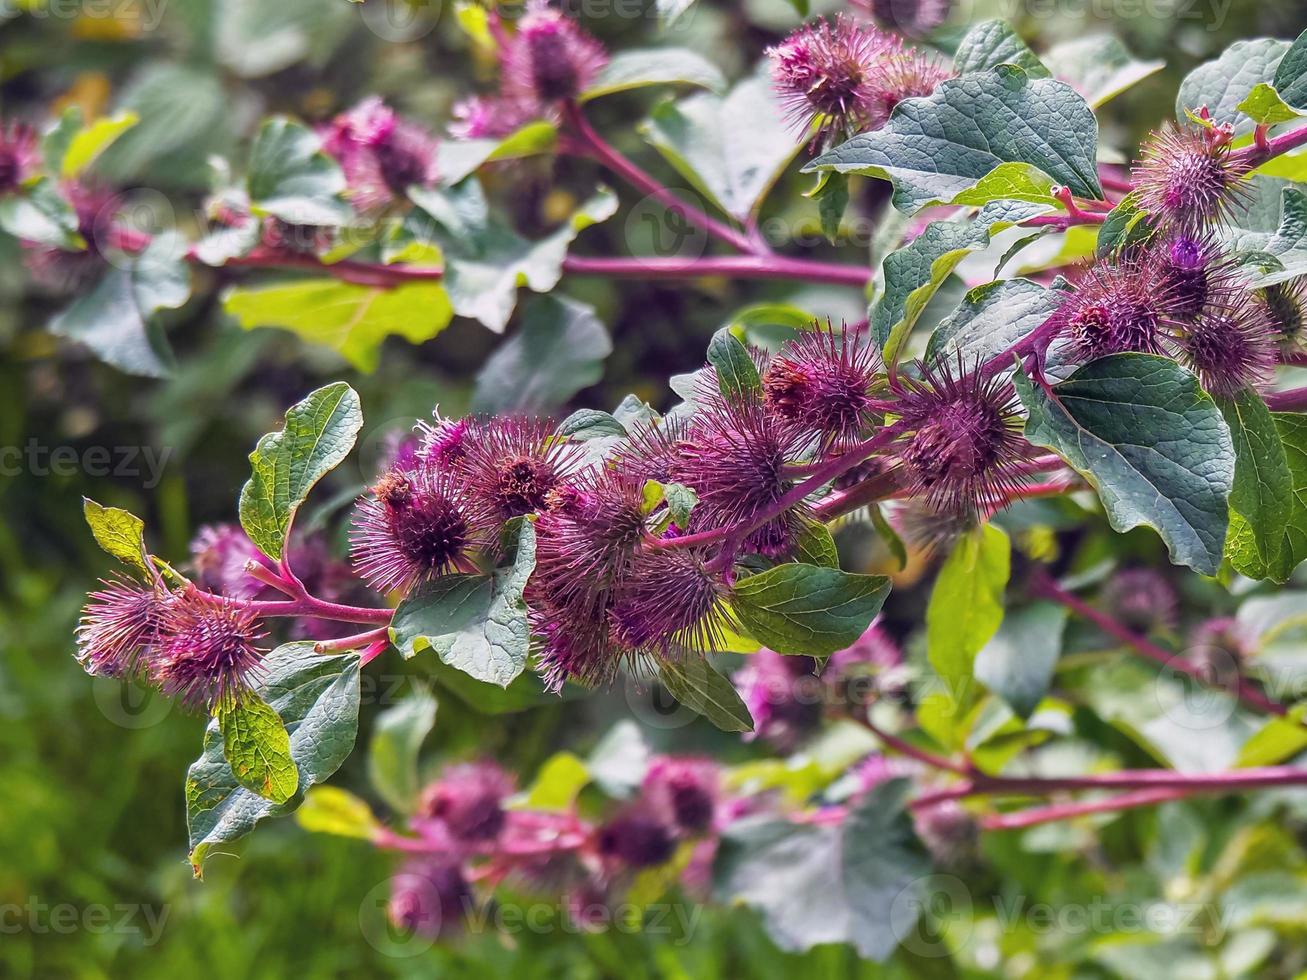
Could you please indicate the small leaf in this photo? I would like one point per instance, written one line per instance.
(804, 609)
(966, 606)
(290, 178)
(1017, 663)
(1277, 740)
(1261, 499)
(456, 159)
(832, 200)
(655, 66)
(257, 748)
(588, 423)
(1291, 74)
(1223, 83)
(557, 784)
(680, 502)
(1265, 106)
(694, 683)
(1099, 67)
(41, 214)
(397, 737)
(119, 532)
(1126, 225)
(991, 319)
(737, 375)
(992, 43)
(476, 623)
(816, 546)
(328, 810)
(319, 432)
(90, 142)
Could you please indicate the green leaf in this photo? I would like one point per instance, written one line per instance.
(1223, 83)
(912, 274)
(588, 423)
(119, 532)
(318, 434)
(88, 143)
(861, 882)
(1264, 105)
(116, 318)
(558, 349)
(328, 810)
(654, 66)
(1293, 437)
(1277, 740)
(1150, 441)
(317, 698)
(1282, 254)
(1291, 74)
(966, 606)
(456, 159)
(806, 609)
(680, 503)
(991, 319)
(290, 178)
(832, 200)
(257, 748)
(1261, 499)
(1099, 67)
(1127, 224)
(936, 147)
(731, 148)
(558, 783)
(693, 682)
(992, 43)
(476, 623)
(816, 546)
(397, 738)
(1017, 663)
(351, 319)
(486, 261)
(737, 375)
(41, 214)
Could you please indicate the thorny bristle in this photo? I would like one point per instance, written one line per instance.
(1116, 307)
(469, 800)
(208, 651)
(550, 58)
(119, 628)
(823, 382)
(1187, 178)
(1285, 308)
(381, 154)
(668, 602)
(1231, 345)
(511, 466)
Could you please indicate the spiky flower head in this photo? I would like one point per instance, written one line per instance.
(965, 442)
(668, 601)
(442, 441)
(1194, 271)
(429, 896)
(1187, 178)
(1117, 306)
(569, 650)
(1231, 345)
(469, 800)
(219, 554)
(635, 839)
(733, 456)
(208, 652)
(683, 791)
(119, 629)
(550, 58)
(1141, 599)
(1219, 647)
(899, 75)
(1285, 308)
(414, 525)
(784, 697)
(822, 382)
(512, 466)
(20, 156)
(489, 117)
(381, 154)
(825, 74)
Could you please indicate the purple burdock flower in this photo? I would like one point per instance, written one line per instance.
(442, 441)
(1285, 308)
(489, 117)
(20, 156)
(511, 466)
(381, 154)
(825, 72)
(70, 271)
(573, 650)
(414, 526)
(822, 382)
(683, 791)
(635, 839)
(429, 896)
(1140, 599)
(784, 696)
(1194, 270)
(1186, 177)
(119, 629)
(208, 650)
(549, 59)
(965, 442)
(668, 602)
(469, 800)
(1120, 306)
(733, 456)
(899, 75)
(1231, 345)
(651, 451)
(219, 554)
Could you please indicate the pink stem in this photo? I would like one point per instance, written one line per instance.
(728, 266)
(1255, 155)
(1293, 400)
(906, 748)
(368, 639)
(1079, 808)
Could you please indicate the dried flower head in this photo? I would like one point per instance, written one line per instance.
(381, 154)
(415, 525)
(784, 696)
(1187, 178)
(683, 791)
(1231, 345)
(1284, 306)
(1141, 599)
(20, 156)
(550, 58)
(1117, 306)
(635, 840)
(469, 800)
(965, 439)
(208, 650)
(822, 382)
(429, 896)
(825, 72)
(119, 629)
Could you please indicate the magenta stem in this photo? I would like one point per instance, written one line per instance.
(728, 266)
(372, 637)
(1292, 400)
(1255, 154)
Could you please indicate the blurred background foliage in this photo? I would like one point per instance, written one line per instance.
(91, 776)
